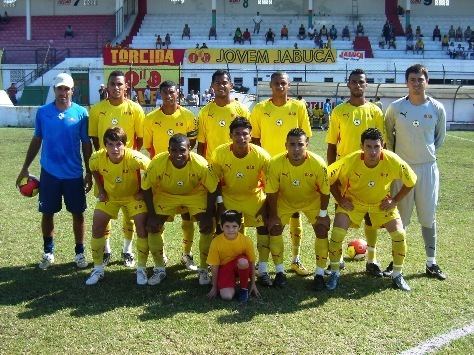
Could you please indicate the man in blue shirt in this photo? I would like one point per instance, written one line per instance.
(61, 130)
(326, 113)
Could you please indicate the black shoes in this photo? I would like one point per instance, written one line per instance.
(435, 271)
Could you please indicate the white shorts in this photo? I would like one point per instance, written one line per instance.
(424, 195)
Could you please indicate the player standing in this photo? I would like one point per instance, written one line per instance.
(241, 167)
(117, 110)
(216, 116)
(297, 182)
(360, 183)
(179, 181)
(271, 120)
(61, 131)
(348, 121)
(116, 170)
(159, 126)
(416, 129)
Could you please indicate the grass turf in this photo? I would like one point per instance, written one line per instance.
(54, 312)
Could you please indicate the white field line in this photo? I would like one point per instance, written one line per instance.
(462, 138)
(437, 342)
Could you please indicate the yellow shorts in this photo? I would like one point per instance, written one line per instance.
(311, 211)
(133, 207)
(248, 209)
(172, 205)
(378, 217)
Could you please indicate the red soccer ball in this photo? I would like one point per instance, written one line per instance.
(356, 249)
(29, 186)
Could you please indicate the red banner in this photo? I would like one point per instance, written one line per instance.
(128, 56)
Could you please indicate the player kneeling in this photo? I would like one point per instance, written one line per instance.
(116, 170)
(360, 183)
(232, 254)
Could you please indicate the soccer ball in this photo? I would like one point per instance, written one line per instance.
(29, 186)
(356, 249)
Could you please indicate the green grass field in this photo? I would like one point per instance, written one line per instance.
(53, 311)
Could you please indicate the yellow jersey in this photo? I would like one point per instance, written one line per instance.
(128, 115)
(223, 250)
(214, 121)
(369, 186)
(297, 185)
(195, 178)
(348, 122)
(240, 177)
(159, 127)
(122, 180)
(272, 123)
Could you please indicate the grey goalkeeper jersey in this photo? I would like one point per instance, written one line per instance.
(415, 132)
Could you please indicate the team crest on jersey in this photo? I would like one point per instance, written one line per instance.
(170, 132)
(356, 122)
(222, 123)
(114, 121)
(296, 182)
(180, 183)
(239, 175)
(61, 115)
(118, 179)
(416, 123)
(371, 183)
(279, 122)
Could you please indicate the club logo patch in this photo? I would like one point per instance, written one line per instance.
(356, 122)
(180, 183)
(118, 179)
(416, 123)
(371, 184)
(170, 132)
(279, 122)
(222, 123)
(114, 121)
(239, 175)
(296, 182)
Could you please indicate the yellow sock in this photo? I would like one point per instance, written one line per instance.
(335, 247)
(371, 237)
(205, 240)
(399, 249)
(321, 246)
(296, 231)
(188, 235)
(277, 248)
(97, 248)
(155, 245)
(263, 247)
(128, 226)
(142, 251)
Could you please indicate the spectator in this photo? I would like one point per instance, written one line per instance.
(212, 33)
(418, 33)
(238, 36)
(69, 32)
(346, 33)
(103, 94)
(197, 45)
(360, 29)
(324, 32)
(386, 32)
(246, 36)
(317, 41)
(133, 95)
(77, 95)
(159, 99)
(436, 33)
(420, 46)
(205, 98)
(186, 32)
(451, 33)
(6, 18)
(445, 42)
(158, 42)
(391, 43)
(409, 31)
(12, 91)
(378, 102)
(410, 45)
(471, 41)
(460, 52)
(270, 36)
(182, 99)
(382, 41)
(333, 33)
(311, 32)
(400, 11)
(167, 40)
(301, 32)
(295, 45)
(204, 45)
(147, 95)
(328, 44)
(326, 114)
(192, 98)
(467, 33)
(284, 32)
(257, 20)
(459, 34)
(317, 116)
(452, 50)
